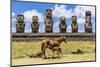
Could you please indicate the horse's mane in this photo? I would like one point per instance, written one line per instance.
(59, 39)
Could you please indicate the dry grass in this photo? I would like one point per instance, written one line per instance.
(22, 49)
(65, 58)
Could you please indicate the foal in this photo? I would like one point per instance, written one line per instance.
(53, 44)
(58, 50)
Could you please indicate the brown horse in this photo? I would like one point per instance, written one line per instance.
(53, 44)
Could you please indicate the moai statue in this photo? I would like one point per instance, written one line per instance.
(48, 21)
(62, 25)
(20, 26)
(35, 24)
(74, 24)
(88, 24)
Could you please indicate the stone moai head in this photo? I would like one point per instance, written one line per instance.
(88, 24)
(35, 25)
(20, 24)
(48, 13)
(48, 21)
(74, 24)
(74, 19)
(88, 16)
(20, 18)
(35, 19)
(62, 25)
(62, 18)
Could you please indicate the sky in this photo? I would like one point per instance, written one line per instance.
(29, 9)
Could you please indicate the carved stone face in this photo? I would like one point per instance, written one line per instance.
(88, 19)
(62, 18)
(74, 19)
(35, 19)
(88, 16)
(20, 18)
(48, 12)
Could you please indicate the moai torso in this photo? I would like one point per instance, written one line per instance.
(48, 21)
(88, 24)
(74, 24)
(20, 26)
(62, 25)
(35, 24)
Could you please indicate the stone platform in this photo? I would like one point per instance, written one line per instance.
(40, 36)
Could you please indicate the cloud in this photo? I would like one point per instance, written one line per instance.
(56, 27)
(13, 14)
(80, 20)
(60, 10)
(79, 11)
(41, 27)
(28, 15)
(27, 27)
(81, 28)
(13, 29)
(28, 19)
(13, 18)
(13, 22)
(69, 28)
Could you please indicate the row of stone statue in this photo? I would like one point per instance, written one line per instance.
(20, 26)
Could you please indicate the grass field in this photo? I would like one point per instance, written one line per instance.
(65, 58)
(22, 49)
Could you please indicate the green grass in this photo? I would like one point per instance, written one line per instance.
(22, 49)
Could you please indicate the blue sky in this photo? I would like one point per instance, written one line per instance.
(28, 9)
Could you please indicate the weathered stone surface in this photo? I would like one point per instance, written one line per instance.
(74, 24)
(40, 36)
(35, 24)
(20, 24)
(62, 25)
(88, 24)
(88, 27)
(48, 21)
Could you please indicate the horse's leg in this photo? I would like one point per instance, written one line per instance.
(44, 54)
(52, 54)
(59, 52)
(43, 50)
